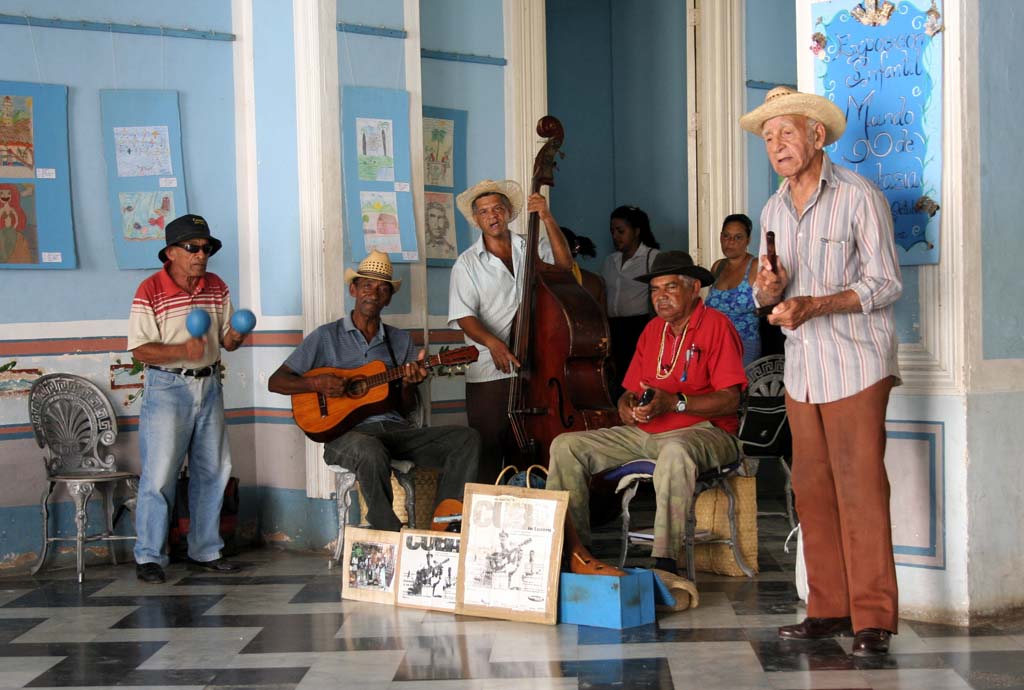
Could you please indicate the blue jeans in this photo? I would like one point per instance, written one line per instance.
(181, 414)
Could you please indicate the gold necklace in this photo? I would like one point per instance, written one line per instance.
(662, 372)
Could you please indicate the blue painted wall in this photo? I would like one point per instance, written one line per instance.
(1002, 205)
(280, 261)
(475, 88)
(88, 61)
(617, 79)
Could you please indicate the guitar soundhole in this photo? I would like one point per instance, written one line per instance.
(357, 387)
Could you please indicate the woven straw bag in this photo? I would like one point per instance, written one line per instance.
(712, 512)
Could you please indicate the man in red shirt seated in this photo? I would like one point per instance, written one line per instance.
(691, 357)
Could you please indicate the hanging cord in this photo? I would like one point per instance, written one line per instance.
(35, 53)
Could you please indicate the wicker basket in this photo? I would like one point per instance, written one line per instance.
(713, 515)
(424, 481)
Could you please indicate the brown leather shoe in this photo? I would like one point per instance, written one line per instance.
(871, 642)
(816, 629)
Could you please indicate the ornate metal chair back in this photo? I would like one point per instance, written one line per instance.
(75, 423)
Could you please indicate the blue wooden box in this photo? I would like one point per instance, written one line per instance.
(603, 601)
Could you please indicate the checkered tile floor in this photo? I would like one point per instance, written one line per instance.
(281, 624)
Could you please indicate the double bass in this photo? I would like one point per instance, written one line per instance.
(560, 338)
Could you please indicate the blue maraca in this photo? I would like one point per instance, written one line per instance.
(243, 321)
(197, 322)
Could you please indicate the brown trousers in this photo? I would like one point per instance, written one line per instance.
(487, 412)
(842, 495)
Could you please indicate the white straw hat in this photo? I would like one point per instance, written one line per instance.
(510, 189)
(376, 266)
(783, 100)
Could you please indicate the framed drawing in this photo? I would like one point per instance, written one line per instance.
(511, 553)
(428, 569)
(369, 565)
(145, 171)
(377, 167)
(446, 232)
(36, 228)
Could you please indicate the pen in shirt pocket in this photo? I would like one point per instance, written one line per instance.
(690, 352)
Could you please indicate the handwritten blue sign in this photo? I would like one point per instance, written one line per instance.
(881, 63)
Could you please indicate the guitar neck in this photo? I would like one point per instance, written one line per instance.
(396, 373)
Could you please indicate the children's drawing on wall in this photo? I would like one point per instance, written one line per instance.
(19, 241)
(375, 143)
(380, 221)
(16, 381)
(440, 225)
(144, 214)
(438, 142)
(17, 152)
(142, 151)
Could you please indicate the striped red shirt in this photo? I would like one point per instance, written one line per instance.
(160, 309)
(843, 241)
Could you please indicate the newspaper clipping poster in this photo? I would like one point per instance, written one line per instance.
(511, 552)
(428, 568)
(370, 564)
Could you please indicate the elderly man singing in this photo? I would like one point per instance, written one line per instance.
(833, 287)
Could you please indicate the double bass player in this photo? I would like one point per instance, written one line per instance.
(486, 291)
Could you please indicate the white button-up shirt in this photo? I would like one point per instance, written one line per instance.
(626, 295)
(843, 241)
(481, 286)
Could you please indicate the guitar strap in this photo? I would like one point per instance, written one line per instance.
(387, 342)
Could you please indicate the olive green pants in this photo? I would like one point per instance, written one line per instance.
(681, 455)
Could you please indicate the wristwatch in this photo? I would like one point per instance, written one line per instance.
(681, 405)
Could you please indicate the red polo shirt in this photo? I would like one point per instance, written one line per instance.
(711, 356)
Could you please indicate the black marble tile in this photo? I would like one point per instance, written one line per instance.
(314, 632)
(168, 611)
(320, 592)
(809, 655)
(13, 628)
(983, 670)
(652, 633)
(609, 674)
(1010, 627)
(62, 593)
(94, 663)
(757, 597)
(249, 677)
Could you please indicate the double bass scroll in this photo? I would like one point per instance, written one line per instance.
(561, 339)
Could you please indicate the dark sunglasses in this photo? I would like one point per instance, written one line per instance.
(196, 248)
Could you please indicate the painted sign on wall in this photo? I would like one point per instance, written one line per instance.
(881, 63)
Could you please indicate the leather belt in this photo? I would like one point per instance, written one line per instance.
(197, 373)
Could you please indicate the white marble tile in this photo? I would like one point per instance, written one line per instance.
(983, 643)
(17, 671)
(916, 679)
(68, 623)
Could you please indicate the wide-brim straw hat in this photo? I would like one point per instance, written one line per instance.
(510, 189)
(783, 100)
(376, 266)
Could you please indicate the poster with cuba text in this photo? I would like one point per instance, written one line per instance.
(377, 166)
(145, 171)
(36, 229)
(880, 61)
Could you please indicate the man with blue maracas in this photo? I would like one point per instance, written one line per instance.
(181, 317)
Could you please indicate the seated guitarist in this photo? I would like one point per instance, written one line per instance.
(368, 448)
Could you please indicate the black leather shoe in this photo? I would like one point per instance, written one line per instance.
(151, 573)
(816, 629)
(871, 642)
(217, 565)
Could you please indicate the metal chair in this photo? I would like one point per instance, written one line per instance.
(764, 425)
(630, 476)
(71, 419)
(345, 481)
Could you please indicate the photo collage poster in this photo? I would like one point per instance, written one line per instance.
(881, 63)
(446, 233)
(36, 229)
(145, 171)
(369, 565)
(377, 173)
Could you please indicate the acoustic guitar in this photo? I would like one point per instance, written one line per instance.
(326, 418)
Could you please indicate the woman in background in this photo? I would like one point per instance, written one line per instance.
(629, 303)
(732, 292)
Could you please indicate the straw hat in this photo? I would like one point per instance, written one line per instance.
(376, 266)
(509, 188)
(783, 100)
